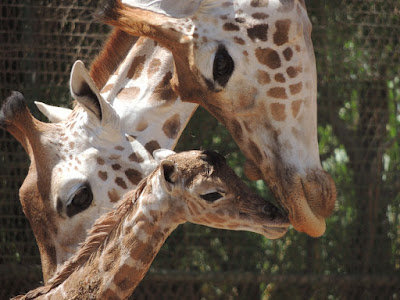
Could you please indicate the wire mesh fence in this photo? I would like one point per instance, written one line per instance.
(358, 57)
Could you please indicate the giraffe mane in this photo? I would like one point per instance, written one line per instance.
(114, 50)
(96, 239)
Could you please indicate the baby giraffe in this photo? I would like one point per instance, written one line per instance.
(193, 186)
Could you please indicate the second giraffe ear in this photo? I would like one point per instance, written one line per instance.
(53, 113)
(169, 174)
(85, 92)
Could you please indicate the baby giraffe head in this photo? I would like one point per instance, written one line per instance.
(204, 190)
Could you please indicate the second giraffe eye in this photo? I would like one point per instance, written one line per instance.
(223, 66)
(211, 197)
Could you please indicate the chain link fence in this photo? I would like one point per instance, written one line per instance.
(358, 59)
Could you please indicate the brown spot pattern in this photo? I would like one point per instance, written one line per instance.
(258, 3)
(277, 92)
(288, 53)
(135, 157)
(100, 161)
(281, 35)
(114, 157)
(259, 32)
(142, 252)
(296, 107)
(263, 77)
(239, 40)
(134, 176)
(152, 145)
(125, 277)
(120, 182)
(293, 72)
(268, 57)
(278, 111)
(128, 93)
(171, 126)
(260, 16)
(103, 175)
(153, 68)
(296, 88)
(113, 195)
(240, 20)
(230, 27)
(163, 90)
(136, 67)
(280, 78)
(116, 167)
(119, 148)
(110, 295)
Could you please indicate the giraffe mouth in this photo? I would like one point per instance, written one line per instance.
(309, 201)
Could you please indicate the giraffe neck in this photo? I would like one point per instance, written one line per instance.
(119, 261)
(141, 93)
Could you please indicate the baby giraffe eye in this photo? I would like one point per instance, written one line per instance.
(211, 197)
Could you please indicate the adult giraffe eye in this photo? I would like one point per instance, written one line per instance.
(80, 201)
(211, 197)
(223, 66)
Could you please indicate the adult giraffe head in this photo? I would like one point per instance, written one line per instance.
(251, 64)
(80, 168)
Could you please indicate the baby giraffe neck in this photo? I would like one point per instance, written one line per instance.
(140, 239)
(118, 265)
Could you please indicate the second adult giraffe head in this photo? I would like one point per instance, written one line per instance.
(251, 64)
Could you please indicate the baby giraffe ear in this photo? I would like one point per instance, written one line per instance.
(169, 174)
(161, 154)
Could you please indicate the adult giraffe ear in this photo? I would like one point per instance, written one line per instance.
(55, 114)
(172, 32)
(84, 91)
(169, 174)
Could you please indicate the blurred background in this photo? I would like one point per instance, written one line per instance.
(357, 46)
